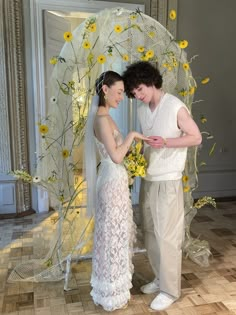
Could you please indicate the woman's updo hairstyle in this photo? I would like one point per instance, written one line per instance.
(108, 78)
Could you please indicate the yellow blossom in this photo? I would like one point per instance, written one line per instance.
(140, 49)
(183, 44)
(172, 15)
(149, 53)
(118, 28)
(65, 153)
(68, 36)
(203, 119)
(144, 58)
(205, 80)
(191, 90)
(183, 92)
(186, 188)
(101, 59)
(186, 66)
(86, 44)
(53, 61)
(43, 129)
(92, 27)
(165, 65)
(185, 178)
(204, 201)
(151, 34)
(138, 146)
(133, 16)
(125, 57)
(71, 84)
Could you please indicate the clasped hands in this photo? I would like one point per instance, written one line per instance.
(156, 141)
(153, 141)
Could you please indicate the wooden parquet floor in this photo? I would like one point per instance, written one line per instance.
(208, 291)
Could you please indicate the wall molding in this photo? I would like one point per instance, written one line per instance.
(12, 85)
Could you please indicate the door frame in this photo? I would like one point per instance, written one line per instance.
(37, 8)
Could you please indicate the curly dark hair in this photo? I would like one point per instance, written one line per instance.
(141, 72)
(108, 78)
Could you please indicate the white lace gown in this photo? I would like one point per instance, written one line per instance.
(114, 234)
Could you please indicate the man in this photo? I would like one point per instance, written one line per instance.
(171, 129)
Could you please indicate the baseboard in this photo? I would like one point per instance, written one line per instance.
(16, 215)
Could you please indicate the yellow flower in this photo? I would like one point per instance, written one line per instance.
(183, 44)
(141, 171)
(205, 80)
(186, 66)
(92, 27)
(138, 146)
(183, 92)
(140, 49)
(86, 44)
(203, 119)
(191, 90)
(175, 64)
(151, 34)
(68, 36)
(118, 28)
(133, 16)
(186, 188)
(130, 157)
(65, 153)
(101, 59)
(43, 129)
(71, 84)
(185, 178)
(172, 15)
(149, 53)
(144, 58)
(53, 61)
(125, 57)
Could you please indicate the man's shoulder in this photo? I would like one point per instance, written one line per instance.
(174, 101)
(173, 98)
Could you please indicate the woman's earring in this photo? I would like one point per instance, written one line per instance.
(105, 97)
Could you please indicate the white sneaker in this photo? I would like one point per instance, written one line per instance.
(162, 301)
(151, 287)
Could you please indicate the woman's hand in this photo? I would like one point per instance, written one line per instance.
(139, 136)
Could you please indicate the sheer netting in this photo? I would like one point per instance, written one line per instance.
(114, 234)
(109, 40)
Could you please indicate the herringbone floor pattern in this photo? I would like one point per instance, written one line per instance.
(210, 290)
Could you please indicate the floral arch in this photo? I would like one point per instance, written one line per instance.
(111, 39)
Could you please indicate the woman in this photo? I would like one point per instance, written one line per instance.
(114, 228)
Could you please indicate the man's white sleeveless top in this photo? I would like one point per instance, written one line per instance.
(165, 163)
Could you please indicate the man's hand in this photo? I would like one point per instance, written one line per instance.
(156, 142)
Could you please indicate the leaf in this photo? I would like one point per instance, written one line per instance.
(65, 91)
